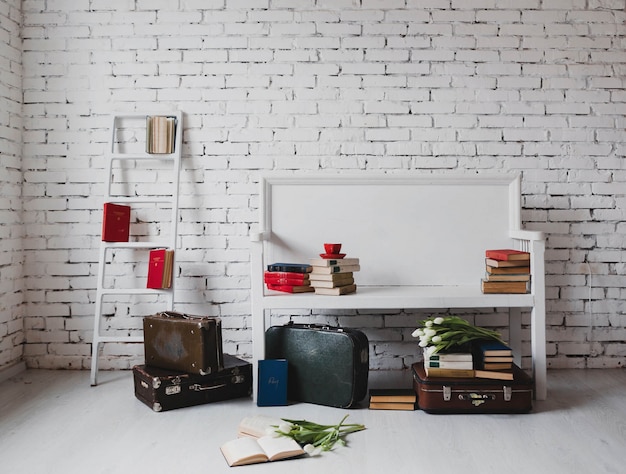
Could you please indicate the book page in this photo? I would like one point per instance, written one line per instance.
(281, 447)
(257, 425)
(242, 451)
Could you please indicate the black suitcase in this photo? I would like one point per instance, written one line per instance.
(163, 389)
(178, 341)
(472, 395)
(326, 365)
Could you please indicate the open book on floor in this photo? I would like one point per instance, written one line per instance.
(249, 450)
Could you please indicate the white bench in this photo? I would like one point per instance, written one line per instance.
(420, 238)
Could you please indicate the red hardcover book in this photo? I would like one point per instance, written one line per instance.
(115, 222)
(507, 255)
(156, 268)
(304, 276)
(290, 288)
(286, 281)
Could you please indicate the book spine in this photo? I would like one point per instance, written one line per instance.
(449, 364)
(289, 268)
(287, 281)
(336, 269)
(286, 274)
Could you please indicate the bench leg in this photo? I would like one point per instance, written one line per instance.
(515, 334)
(538, 348)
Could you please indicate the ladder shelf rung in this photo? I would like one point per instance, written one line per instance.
(135, 291)
(135, 245)
(140, 199)
(143, 156)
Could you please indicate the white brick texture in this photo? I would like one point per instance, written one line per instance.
(530, 86)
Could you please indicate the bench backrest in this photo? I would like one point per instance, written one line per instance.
(406, 230)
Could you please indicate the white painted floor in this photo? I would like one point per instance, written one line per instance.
(55, 422)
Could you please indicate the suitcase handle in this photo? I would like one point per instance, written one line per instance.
(177, 315)
(316, 327)
(196, 387)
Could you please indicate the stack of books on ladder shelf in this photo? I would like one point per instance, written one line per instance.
(507, 271)
(288, 277)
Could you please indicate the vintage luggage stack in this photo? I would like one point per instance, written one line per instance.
(185, 365)
(326, 365)
(472, 395)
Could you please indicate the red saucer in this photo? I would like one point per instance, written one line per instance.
(333, 255)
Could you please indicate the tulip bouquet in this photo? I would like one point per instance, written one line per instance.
(314, 437)
(450, 333)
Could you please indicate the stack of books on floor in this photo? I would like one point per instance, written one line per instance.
(392, 399)
(484, 359)
(334, 276)
(507, 271)
(289, 277)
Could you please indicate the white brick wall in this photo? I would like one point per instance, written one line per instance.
(532, 86)
(11, 258)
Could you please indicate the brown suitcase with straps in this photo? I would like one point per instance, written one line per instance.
(183, 342)
(164, 390)
(472, 395)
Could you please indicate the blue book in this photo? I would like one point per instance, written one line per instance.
(492, 348)
(272, 383)
(290, 267)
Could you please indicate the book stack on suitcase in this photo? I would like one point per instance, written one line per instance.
(471, 394)
(185, 364)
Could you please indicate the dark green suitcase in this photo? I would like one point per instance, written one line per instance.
(326, 365)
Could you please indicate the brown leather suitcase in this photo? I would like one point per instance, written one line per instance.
(163, 389)
(183, 342)
(472, 395)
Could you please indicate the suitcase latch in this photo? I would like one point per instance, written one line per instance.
(508, 392)
(447, 393)
(477, 399)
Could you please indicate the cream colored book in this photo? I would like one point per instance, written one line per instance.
(247, 450)
(258, 426)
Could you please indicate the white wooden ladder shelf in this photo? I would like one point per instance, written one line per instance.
(136, 178)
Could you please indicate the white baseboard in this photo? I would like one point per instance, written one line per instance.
(12, 370)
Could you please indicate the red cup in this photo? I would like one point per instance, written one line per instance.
(332, 248)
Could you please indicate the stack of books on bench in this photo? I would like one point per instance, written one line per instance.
(507, 271)
(288, 277)
(334, 276)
